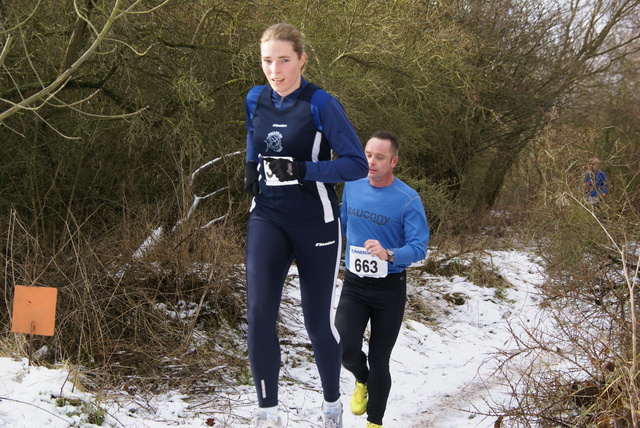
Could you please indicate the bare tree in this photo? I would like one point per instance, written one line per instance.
(32, 96)
(537, 54)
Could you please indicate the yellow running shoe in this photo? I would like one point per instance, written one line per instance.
(372, 425)
(359, 399)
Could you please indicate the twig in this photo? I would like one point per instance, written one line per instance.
(37, 407)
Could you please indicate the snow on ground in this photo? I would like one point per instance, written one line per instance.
(441, 370)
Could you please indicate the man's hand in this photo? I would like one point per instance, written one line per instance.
(376, 249)
(287, 170)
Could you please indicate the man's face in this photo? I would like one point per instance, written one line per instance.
(381, 160)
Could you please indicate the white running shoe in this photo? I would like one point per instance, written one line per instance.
(261, 421)
(332, 417)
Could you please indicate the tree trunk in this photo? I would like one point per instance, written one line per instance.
(494, 178)
(73, 49)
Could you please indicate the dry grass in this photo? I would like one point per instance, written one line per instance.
(148, 323)
(579, 366)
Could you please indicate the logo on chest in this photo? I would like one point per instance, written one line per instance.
(373, 217)
(274, 141)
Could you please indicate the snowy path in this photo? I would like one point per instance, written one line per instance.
(441, 372)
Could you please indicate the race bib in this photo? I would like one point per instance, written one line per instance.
(271, 178)
(362, 263)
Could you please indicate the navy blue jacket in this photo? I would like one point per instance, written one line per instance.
(308, 125)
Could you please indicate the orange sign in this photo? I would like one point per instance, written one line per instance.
(34, 310)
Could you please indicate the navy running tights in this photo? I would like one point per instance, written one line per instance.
(270, 250)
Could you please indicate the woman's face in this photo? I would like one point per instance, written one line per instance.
(282, 66)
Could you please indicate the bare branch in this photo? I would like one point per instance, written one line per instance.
(198, 173)
(42, 96)
(5, 49)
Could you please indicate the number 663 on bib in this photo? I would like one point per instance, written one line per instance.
(362, 263)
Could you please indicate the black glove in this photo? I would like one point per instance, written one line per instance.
(251, 179)
(287, 170)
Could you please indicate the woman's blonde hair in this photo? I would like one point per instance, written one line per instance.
(285, 32)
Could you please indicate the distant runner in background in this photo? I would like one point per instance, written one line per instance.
(595, 182)
(386, 229)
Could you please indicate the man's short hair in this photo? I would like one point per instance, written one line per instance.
(388, 135)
